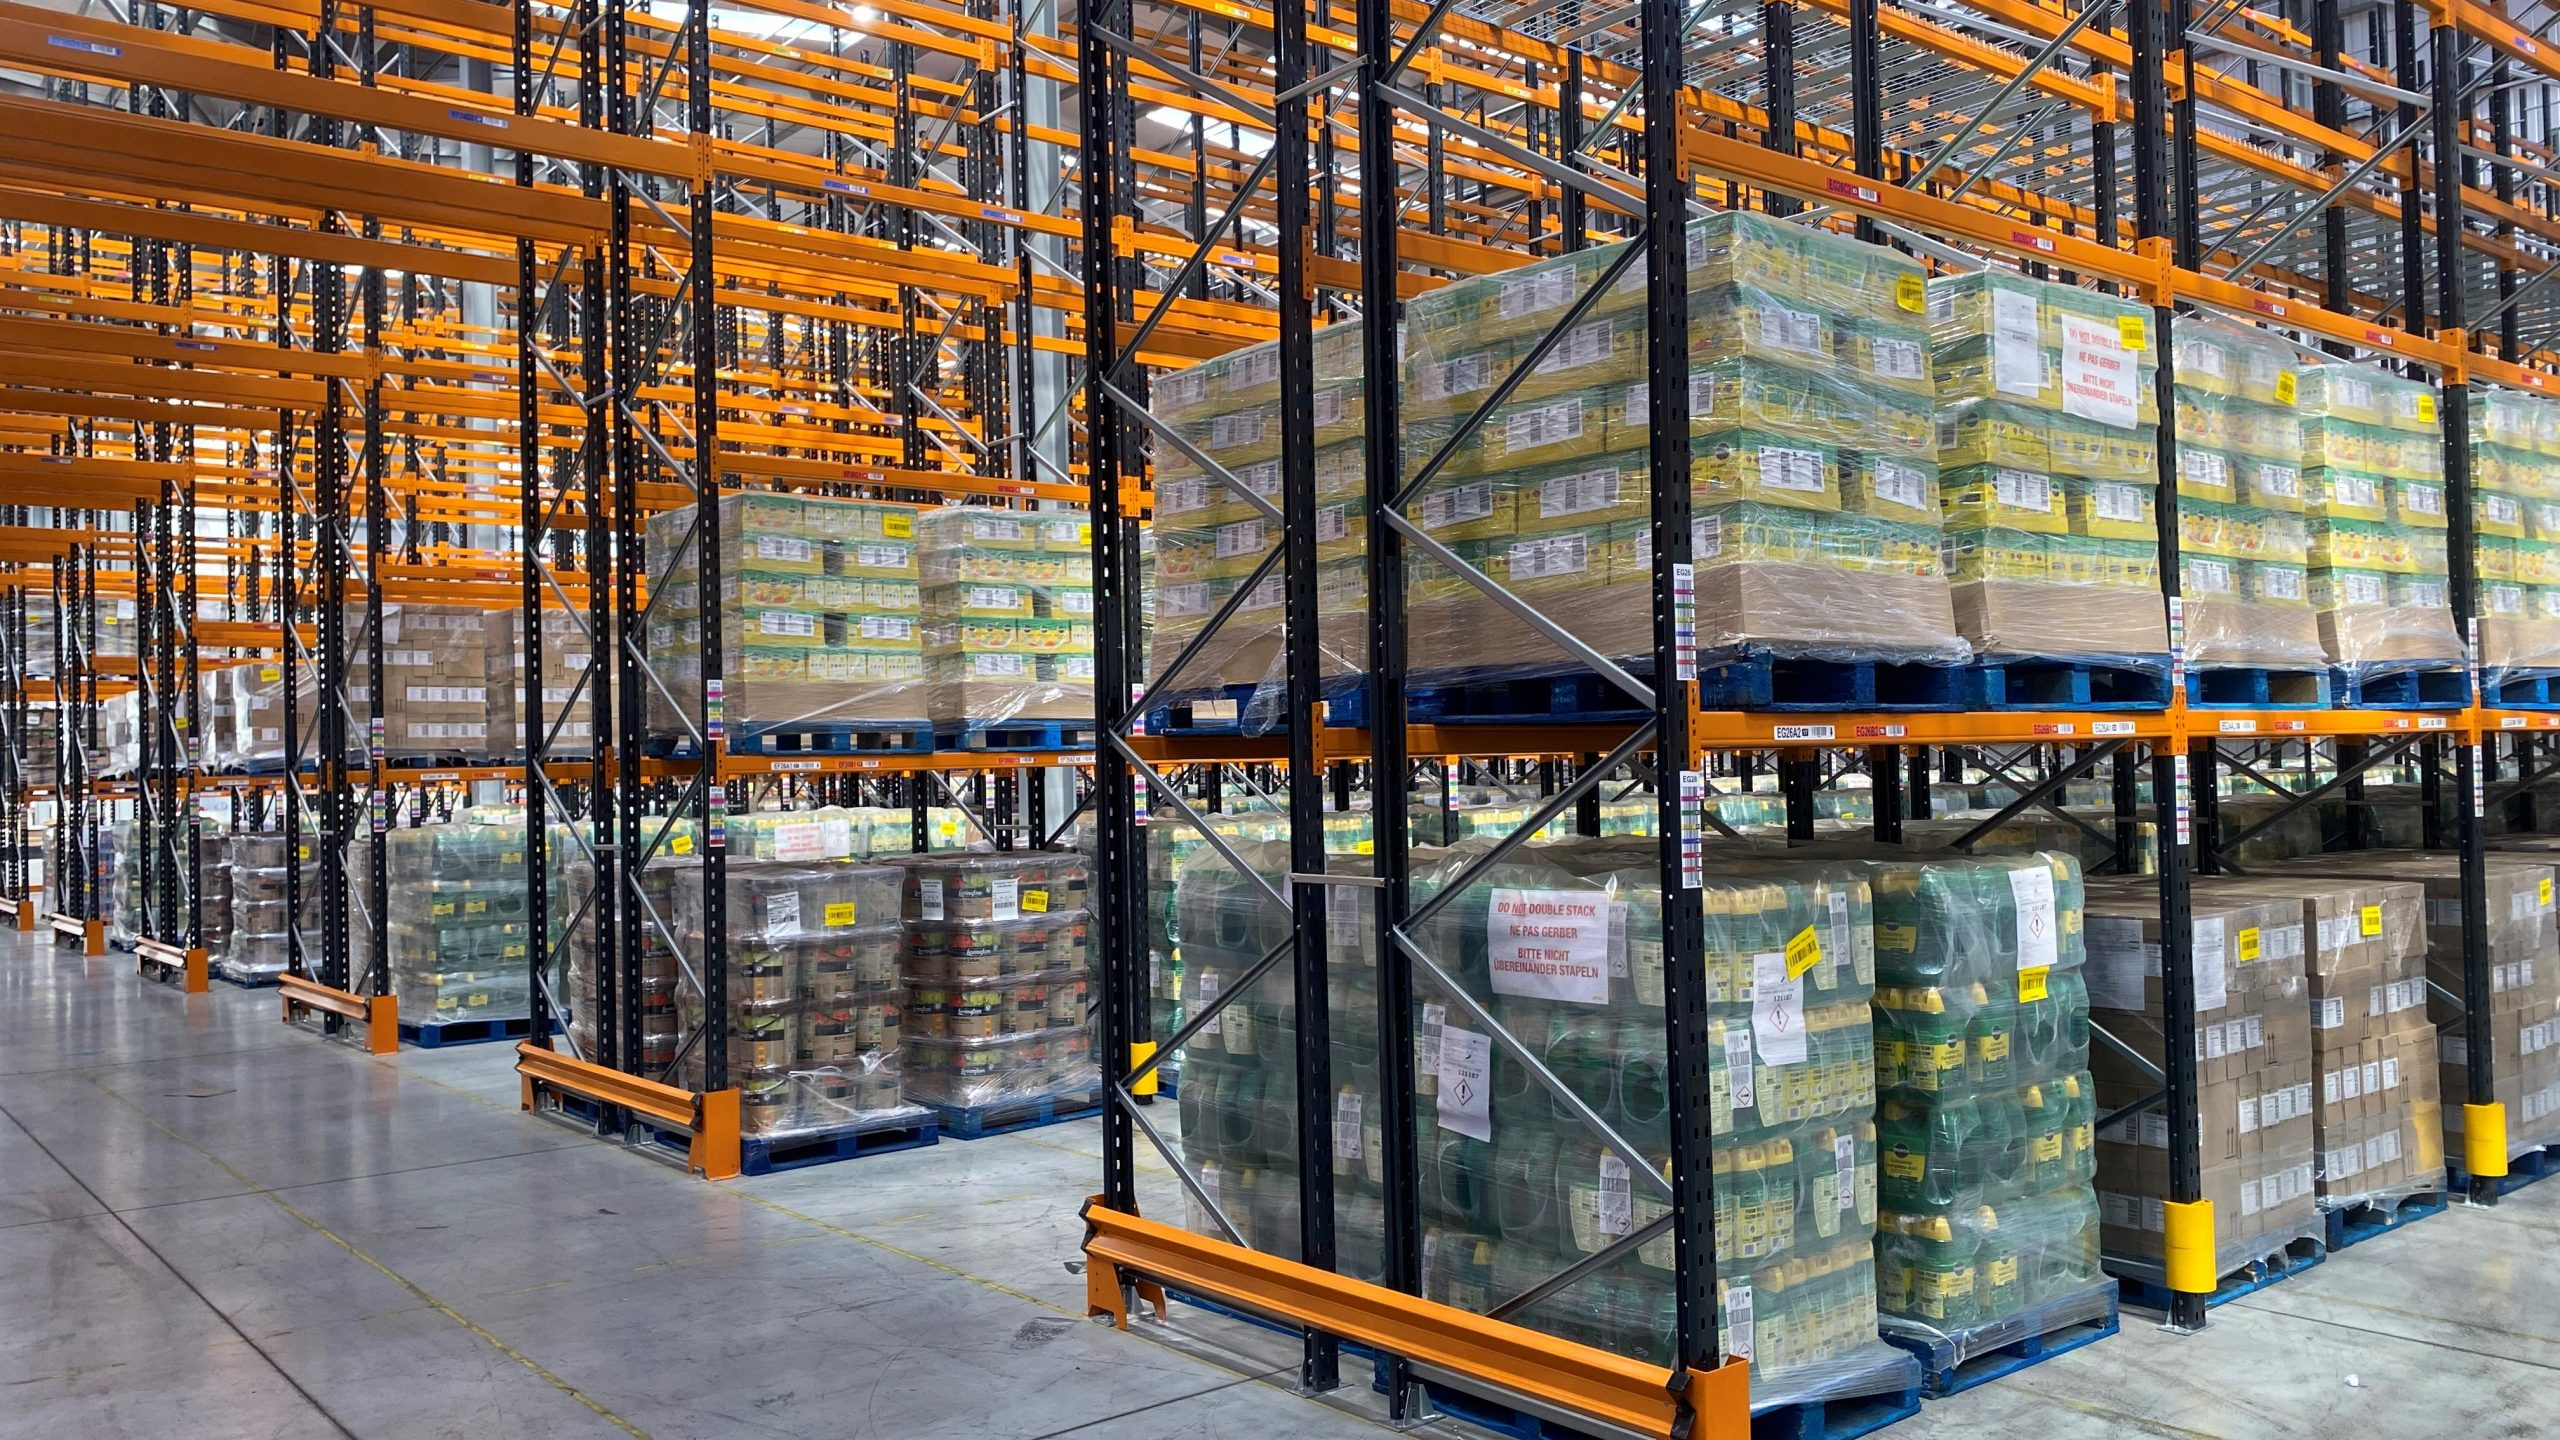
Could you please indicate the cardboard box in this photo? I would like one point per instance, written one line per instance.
(2257, 1166)
(2250, 1010)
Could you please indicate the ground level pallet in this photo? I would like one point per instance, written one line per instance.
(774, 1154)
(2004, 1347)
(2536, 1164)
(2247, 688)
(2402, 689)
(2358, 1223)
(251, 980)
(434, 1034)
(2521, 690)
(978, 1122)
(2297, 1256)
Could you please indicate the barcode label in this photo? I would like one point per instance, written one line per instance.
(1791, 470)
(2208, 577)
(994, 597)
(1236, 427)
(887, 627)
(2022, 490)
(2279, 480)
(1539, 290)
(1583, 345)
(1578, 494)
(1898, 359)
(1332, 523)
(1787, 329)
(787, 622)
(1546, 425)
(2280, 582)
(1462, 376)
(782, 548)
(1457, 506)
(2204, 468)
(1555, 555)
(2115, 501)
(1901, 485)
(1242, 538)
(880, 557)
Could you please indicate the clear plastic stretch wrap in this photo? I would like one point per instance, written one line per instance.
(2244, 546)
(1559, 944)
(1008, 615)
(2048, 464)
(2515, 518)
(566, 686)
(459, 935)
(2255, 1081)
(2373, 482)
(998, 967)
(257, 698)
(1986, 1113)
(120, 898)
(260, 943)
(818, 611)
(1816, 527)
(654, 998)
(2524, 1000)
(119, 751)
(816, 1008)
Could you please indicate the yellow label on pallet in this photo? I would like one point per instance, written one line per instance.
(1803, 952)
(2134, 331)
(2251, 946)
(2370, 919)
(2286, 387)
(1911, 294)
(840, 913)
(2035, 984)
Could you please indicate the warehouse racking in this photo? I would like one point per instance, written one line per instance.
(2347, 193)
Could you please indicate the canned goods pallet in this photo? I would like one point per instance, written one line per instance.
(2361, 1222)
(2147, 1292)
(1959, 1362)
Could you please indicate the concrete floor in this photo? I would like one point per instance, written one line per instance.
(212, 1225)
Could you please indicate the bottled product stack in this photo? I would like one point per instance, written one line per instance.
(2049, 468)
(458, 931)
(2373, 475)
(2244, 548)
(1985, 1116)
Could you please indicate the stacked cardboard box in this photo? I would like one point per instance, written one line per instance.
(257, 701)
(2515, 487)
(2524, 999)
(2049, 467)
(566, 656)
(260, 944)
(435, 682)
(654, 994)
(817, 612)
(458, 931)
(998, 967)
(2373, 481)
(2254, 1072)
(2244, 548)
(1008, 615)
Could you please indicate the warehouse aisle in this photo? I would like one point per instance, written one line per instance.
(209, 1222)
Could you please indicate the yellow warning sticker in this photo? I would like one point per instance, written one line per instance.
(1911, 294)
(2286, 387)
(2426, 409)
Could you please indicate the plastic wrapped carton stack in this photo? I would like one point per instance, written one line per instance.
(259, 944)
(565, 658)
(2049, 468)
(2244, 547)
(997, 960)
(575, 981)
(1816, 528)
(2524, 1000)
(458, 932)
(2515, 487)
(2373, 477)
(435, 682)
(815, 1007)
(1558, 943)
(817, 613)
(1209, 538)
(1985, 1113)
(1008, 616)
(256, 697)
(2255, 1079)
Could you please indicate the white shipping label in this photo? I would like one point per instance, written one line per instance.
(1901, 485)
(882, 557)
(887, 627)
(1738, 1067)
(1577, 494)
(1777, 1010)
(1242, 538)
(1466, 1083)
(2204, 468)
(2039, 937)
(1426, 1045)
(2280, 582)
(1568, 554)
(2278, 481)
(782, 548)
(1582, 345)
(1844, 1160)
(2206, 962)
(2205, 576)
(788, 623)
(1737, 1322)
(2100, 380)
(1346, 1125)
(1332, 523)
(1328, 408)
(1898, 359)
(1547, 425)
(1210, 986)
(1617, 1201)
(1463, 376)
(929, 898)
(1457, 506)
(1549, 944)
(2118, 501)
(782, 913)
(1236, 428)
(1535, 291)
(2022, 490)
(1005, 597)
(2017, 350)
(1791, 469)
(1004, 896)
(1785, 329)
(2115, 966)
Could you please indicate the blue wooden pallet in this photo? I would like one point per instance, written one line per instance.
(249, 982)
(2064, 685)
(2521, 690)
(2523, 1170)
(435, 1034)
(1017, 735)
(2297, 1256)
(2250, 688)
(772, 1155)
(978, 1122)
(1848, 1404)
(2402, 690)
(884, 737)
(2359, 1223)
(1256, 709)
(2004, 1347)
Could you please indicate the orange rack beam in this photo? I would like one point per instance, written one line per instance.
(710, 1117)
(380, 1014)
(157, 960)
